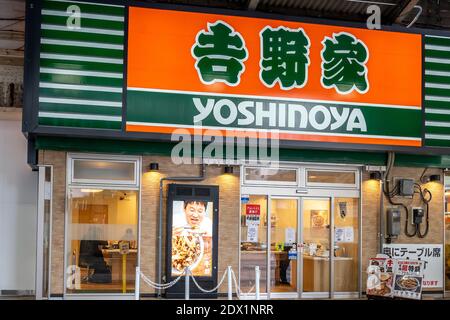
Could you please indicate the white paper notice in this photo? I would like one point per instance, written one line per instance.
(348, 234)
(252, 233)
(289, 235)
(339, 234)
(344, 234)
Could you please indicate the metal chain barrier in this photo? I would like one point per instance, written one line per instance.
(205, 290)
(187, 273)
(238, 289)
(158, 285)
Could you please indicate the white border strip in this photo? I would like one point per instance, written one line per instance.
(83, 30)
(437, 85)
(79, 58)
(437, 60)
(437, 73)
(82, 44)
(64, 86)
(437, 98)
(433, 36)
(437, 124)
(99, 4)
(150, 124)
(78, 116)
(437, 111)
(436, 47)
(58, 13)
(437, 136)
(81, 102)
(361, 104)
(114, 75)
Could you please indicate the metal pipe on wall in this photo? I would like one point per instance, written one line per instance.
(382, 222)
(160, 217)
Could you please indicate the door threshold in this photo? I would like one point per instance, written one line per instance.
(99, 296)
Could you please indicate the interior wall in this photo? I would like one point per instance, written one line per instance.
(18, 210)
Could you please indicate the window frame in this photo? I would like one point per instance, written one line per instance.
(72, 181)
(266, 182)
(354, 185)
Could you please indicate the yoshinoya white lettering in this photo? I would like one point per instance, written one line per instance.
(280, 115)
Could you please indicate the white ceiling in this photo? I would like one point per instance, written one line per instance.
(12, 31)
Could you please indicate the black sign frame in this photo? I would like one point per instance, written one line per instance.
(182, 192)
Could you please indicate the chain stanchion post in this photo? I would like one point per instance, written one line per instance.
(230, 284)
(137, 281)
(257, 276)
(186, 284)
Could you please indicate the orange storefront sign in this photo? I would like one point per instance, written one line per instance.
(159, 57)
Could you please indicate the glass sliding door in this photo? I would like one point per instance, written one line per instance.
(316, 245)
(321, 268)
(253, 251)
(346, 240)
(283, 244)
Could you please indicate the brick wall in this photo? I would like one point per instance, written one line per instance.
(58, 160)
(229, 200)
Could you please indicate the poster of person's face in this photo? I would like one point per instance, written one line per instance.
(192, 227)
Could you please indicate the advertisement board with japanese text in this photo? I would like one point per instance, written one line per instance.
(408, 279)
(380, 275)
(430, 254)
(149, 69)
(231, 74)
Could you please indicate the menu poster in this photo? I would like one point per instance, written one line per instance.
(319, 218)
(408, 279)
(380, 277)
(252, 214)
(192, 234)
(124, 247)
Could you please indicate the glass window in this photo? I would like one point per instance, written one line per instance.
(271, 175)
(346, 231)
(102, 240)
(331, 177)
(101, 170)
(253, 242)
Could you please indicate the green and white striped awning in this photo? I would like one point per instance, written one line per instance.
(81, 68)
(437, 91)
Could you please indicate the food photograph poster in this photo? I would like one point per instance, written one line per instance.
(192, 234)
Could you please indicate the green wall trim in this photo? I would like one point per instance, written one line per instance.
(298, 155)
